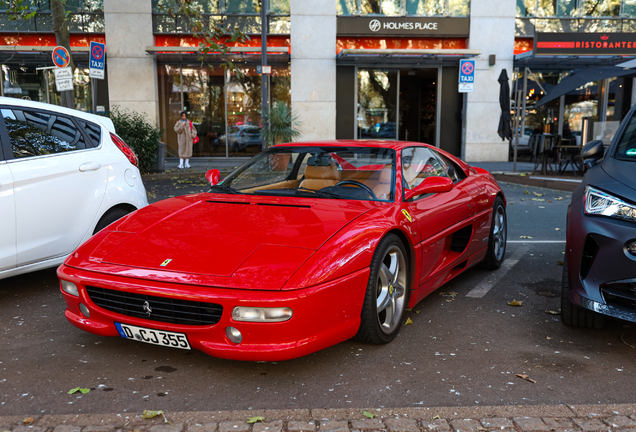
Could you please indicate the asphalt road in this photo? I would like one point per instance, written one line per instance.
(459, 351)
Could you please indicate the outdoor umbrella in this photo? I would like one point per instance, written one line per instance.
(504, 103)
(580, 77)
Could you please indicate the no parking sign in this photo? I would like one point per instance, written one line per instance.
(466, 76)
(97, 61)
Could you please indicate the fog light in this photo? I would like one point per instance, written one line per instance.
(631, 247)
(85, 310)
(257, 314)
(234, 335)
(69, 288)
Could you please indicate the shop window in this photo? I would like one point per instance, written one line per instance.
(380, 7)
(377, 103)
(37, 133)
(629, 8)
(348, 7)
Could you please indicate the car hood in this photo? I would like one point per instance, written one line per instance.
(621, 171)
(250, 242)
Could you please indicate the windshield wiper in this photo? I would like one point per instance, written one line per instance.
(298, 191)
(225, 189)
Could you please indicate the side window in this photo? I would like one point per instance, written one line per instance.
(37, 133)
(419, 163)
(93, 131)
(455, 173)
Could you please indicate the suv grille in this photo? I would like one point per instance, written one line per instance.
(164, 309)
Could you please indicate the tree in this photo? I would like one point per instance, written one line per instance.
(26, 9)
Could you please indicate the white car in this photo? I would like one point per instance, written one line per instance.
(64, 175)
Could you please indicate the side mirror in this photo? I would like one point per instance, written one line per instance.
(213, 176)
(430, 185)
(593, 152)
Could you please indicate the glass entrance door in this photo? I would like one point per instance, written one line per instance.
(418, 105)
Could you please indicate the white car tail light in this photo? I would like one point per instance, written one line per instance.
(125, 149)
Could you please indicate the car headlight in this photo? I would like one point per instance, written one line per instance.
(602, 204)
(259, 314)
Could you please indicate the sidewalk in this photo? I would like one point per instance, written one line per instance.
(515, 417)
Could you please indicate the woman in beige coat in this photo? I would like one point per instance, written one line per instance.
(186, 133)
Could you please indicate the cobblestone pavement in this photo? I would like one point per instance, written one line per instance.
(458, 419)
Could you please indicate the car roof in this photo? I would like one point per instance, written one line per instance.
(104, 121)
(392, 144)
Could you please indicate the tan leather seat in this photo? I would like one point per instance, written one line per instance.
(318, 177)
(383, 188)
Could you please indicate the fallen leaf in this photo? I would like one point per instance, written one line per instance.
(252, 420)
(538, 199)
(408, 321)
(548, 337)
(537, 194)
(435, 418)
(557, 229)
(541, 206)
(479, 428)
(560, 262)
(526, 192)
(551, 312)
(409, 309)
(368, 414)
(515, 303)
(148, 414)
(525, 237)
(28, 420)
(79, 389)
(522, 199)
(448, 294)
(522, 175)
(525, 377)
(558, 198)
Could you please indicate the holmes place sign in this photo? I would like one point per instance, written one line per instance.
(402, 26)
(585, 44)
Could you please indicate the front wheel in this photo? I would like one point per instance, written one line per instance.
(111, 216)
(498, 236)
(387, 293)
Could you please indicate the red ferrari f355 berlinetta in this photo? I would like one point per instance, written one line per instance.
(303, 247)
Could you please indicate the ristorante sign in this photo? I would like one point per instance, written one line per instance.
(585, 44)
(403, 26)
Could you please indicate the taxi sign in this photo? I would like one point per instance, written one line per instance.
(466, 76)
(61, 57)
(97, 61)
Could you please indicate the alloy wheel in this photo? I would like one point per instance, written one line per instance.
(499, 233)
(391, 291)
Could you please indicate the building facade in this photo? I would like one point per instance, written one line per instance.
(385, 69)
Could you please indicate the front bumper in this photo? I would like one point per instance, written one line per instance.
(599, 264)
(323, 315)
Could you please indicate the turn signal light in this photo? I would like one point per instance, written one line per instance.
(257, 314)
(234, 335)
(69, 288)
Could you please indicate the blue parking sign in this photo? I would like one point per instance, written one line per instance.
(97, 61)
(467, 71)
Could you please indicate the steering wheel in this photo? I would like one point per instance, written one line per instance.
(358, 184)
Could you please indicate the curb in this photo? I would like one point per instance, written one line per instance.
(511, 417)
(565, 185)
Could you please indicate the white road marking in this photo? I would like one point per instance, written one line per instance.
(536, 241)
(490, 281)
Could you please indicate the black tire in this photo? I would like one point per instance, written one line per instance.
(396, 292)
(110, 217)
(497, 240)
(572, 315)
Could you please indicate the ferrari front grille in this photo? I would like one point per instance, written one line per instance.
(153, 308)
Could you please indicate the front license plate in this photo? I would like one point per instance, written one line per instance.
(155, 337)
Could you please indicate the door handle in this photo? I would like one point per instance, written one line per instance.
(90, 166)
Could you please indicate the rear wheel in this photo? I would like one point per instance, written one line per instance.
(110, 217)
(498, 236)
(572, 315)
(387, 293)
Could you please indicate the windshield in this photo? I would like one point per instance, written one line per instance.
(324, 172)
(626, 148)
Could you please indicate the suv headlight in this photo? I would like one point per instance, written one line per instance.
(602, 204)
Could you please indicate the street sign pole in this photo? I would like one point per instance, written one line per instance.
(94, 92)
(264, 77)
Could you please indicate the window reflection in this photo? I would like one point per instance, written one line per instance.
(377, 103)
(408, 7)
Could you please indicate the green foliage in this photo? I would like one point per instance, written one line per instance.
(139, 133)
(281, 124)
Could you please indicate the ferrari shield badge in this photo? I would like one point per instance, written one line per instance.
(408, 215)
(165, 263)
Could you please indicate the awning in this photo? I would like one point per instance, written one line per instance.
(249, 55)
(385, 57)
(579, 77)
(37, 49)
(561, 62)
